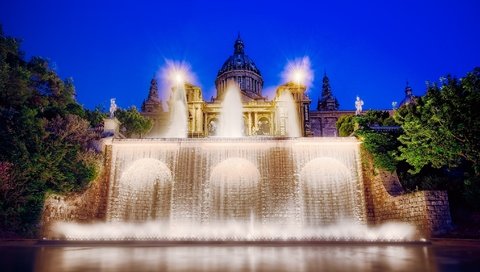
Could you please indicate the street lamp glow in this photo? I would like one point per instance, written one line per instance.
(298, 76)
(298, 71)
(178, 77)
(175, 73)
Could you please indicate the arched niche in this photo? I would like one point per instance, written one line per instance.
(234, 187)
(144, 192)
(328, 191)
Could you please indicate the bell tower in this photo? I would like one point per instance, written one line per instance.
(153, 103)
(327, 102)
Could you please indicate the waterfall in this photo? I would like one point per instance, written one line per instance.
(236, 189)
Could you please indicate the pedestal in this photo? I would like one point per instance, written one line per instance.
(111, 127)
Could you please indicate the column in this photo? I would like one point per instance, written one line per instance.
(205, 126)
(272, 124)
(249, 129)
(196, 120)
(199, 125)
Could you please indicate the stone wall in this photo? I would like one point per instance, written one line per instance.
(386, 201)
(324, 123)
(89, 206)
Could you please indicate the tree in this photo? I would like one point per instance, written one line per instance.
(442, 131)
(443, 128)
(346, 125)
(96, 116)
(381, 144)
(133, 123)
(374, 118)
(44, 138)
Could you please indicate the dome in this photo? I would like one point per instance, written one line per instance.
(239, 61)
(241, 69)
(409, 97)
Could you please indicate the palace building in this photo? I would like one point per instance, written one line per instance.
(262, 117)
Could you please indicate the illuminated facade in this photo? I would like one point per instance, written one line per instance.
(262, 117)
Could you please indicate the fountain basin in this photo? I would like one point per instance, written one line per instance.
(236, 189)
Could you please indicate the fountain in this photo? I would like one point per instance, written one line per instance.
(288, 115)
(233, 188)
(240, 189)
(178, 112)
(231, 120)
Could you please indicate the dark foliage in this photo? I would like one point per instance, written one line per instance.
(44, 138)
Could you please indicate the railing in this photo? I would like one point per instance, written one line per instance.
(386, 128)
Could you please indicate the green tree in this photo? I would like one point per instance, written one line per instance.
(346, 125)
(44, 138)
(381, 144)
(96, 116)
(373, 118)
(133, 123)
(383, 147)
(443, 128)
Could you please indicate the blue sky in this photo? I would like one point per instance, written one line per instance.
(368, 48)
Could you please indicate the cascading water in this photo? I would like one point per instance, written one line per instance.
(178, 123)
(287, 115)
(149, 178)
(231, 115)
(236, 189)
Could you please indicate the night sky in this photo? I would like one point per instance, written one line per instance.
(368, 48)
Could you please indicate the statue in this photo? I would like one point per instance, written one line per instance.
(394, 105)
(212, 127)
(113, 108)
(358, 105)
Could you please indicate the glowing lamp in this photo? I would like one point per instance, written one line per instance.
(298, 71)
(178, 78)
(298, 76)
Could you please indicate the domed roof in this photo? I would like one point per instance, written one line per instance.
(239, 60)
(409, 97)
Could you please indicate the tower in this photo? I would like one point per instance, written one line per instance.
(409, 97)
(153, 104)
(327, 102)
(152, 109)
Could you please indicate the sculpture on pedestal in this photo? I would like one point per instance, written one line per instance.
(358, 105)
(113, 108)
